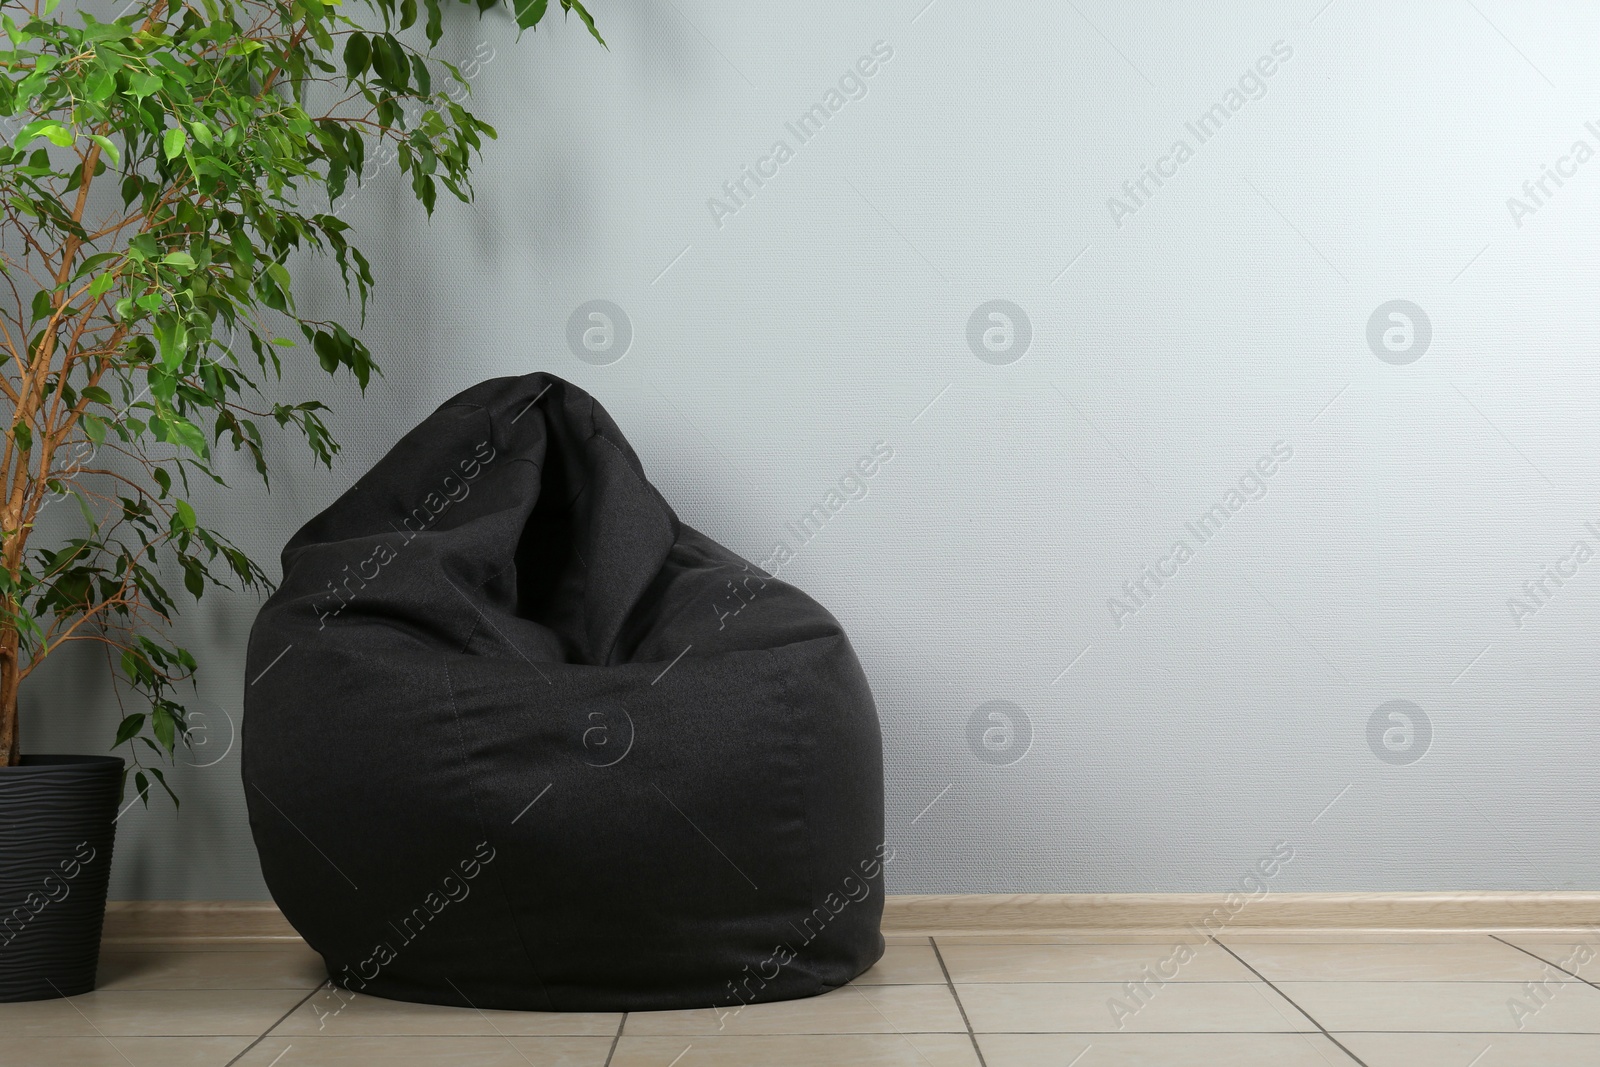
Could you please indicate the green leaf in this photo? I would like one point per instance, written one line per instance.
(435, 28)
(129, 728)
(50, 129)
(163, 780)
(186, 433)
(163, 727)
(101, 285)
(108, 147)
(382, 60)
(142, 83)
(100, 86)
(357, 55)
(588, 20)
(23, 435)
(173, 141)
(529, 12)
(185, 518)
(94, 428)
(172, 337)
(402, 64)
(194, 577)
(181, 260)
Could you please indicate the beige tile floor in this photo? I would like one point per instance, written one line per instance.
(1511, 998)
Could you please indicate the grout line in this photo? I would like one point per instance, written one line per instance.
(509, 1043)
(1201, 1033)
(615, 1040)
(1541, 959)
(950, 982)
(325, 984)
(1223, 981)
(857, 990)
(1285, 996)
(92, 1026)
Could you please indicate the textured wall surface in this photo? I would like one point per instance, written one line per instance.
(1238, 365)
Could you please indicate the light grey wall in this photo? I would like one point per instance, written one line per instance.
(1173, 344)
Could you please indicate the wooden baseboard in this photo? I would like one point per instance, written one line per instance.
(134, 922)
(1131, 911)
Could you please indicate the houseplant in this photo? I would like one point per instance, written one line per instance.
(164, 169)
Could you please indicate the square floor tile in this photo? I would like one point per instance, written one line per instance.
(1164, 1050)
(427, 1051)
(1477, 960)
(221, 944)
(340, 1013)
(1578, 953)
(905, 965)
(799, 1050)
(121, 1051)
(1105, 1007)
(1180, 961)
(1360, 935)
(1450, 1007)
(293, 967)
(150, 1013)
(1062, 937)
(1473, 1050)
(854, 1009)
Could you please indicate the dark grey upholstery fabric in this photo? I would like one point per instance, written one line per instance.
(517, 737)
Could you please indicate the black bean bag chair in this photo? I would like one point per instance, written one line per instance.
(516, 737)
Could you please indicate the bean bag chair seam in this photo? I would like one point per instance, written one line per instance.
(477, 623)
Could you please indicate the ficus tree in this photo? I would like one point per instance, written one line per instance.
(168, 169)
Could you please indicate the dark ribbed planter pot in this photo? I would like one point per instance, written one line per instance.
(57, 824)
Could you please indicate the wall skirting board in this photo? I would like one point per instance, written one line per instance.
(248, 921)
